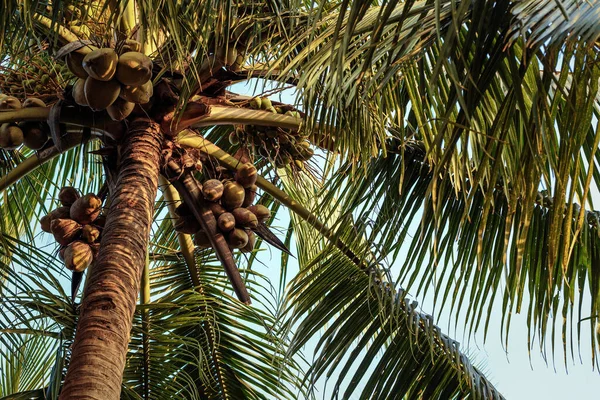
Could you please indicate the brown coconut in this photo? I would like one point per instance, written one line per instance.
(65, 230)
(216, 208)
(134, 69)
(31, 102)
(78, 256)
(86, 209)
(101, 64)
(60, 212)
(201, 240)
(75, 64)
(101, 94)
(251, 242)
(189, 225)
(10, 103)
(226, 222)
(90, 233)
(245, 218)
(131, 45)
(262, 213)
(35, 134)
(183, 210)
(11, 136)
(246, 175)
(212, 190)
(120, 109)
(68, 195)
(237, 238)
(79, 92)
(250, 195)
(138, 94)
(233, 195)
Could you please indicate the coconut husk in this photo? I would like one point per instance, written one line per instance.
(251, 242)
(262, 213)
(120, 109)
(65, 230)
(60, 212)
(35, 134)
(250, 195)
(226, 222)
(10, 103)
(95, 248)
(212, 190)
(11, 136)
(245, 218)
(187, 225)
(134, 69)
(74, 62)
(101, 94)
(79, 92)
(86, 209)
(101, 64)
(68, 195)
(90, 233)
(138, 94)
(201, 240)
(237, 238)
(233, 195)
(78, 256)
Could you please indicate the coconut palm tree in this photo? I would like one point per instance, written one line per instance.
(443, 145)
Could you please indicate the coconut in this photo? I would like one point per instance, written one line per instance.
(138, 94)
(245, 218)
(183, 210)
(131, 45)
(10, 103)
(226, 222)
(33, 102)
(64, 230)
(237, 238)
(60, 212)
(79, 92)
(233, 195)
(90, 233)
(75, 63)
(246, 175)
(202, 240)
(35, 134)
(68, 195)
(216, 208)
(265, 103)
(101, 64)
(120, 109)
(101, 94)
(250, 195)
(189, 225)
(255, 103)
(251, 242)
(78, 256)
(134, 69)
(212, 190)
(262, 213)
(11, 136)
(86, 209)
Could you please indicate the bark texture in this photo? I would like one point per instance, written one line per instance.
(102, 337)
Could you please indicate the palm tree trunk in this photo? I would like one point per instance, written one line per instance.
(100, 347)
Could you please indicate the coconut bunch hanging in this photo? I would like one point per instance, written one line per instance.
(281, 146)
(231, 202)
(77, 227)
(33, 134)
(110, 79)
(39, 76)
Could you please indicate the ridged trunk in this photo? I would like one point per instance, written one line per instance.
(100, 347)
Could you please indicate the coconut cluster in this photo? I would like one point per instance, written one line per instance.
(77, 227)
(231, 202)
(33, 134)
(107, 80)
(281, 146)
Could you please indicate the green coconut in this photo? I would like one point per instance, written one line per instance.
(35, 134)
(10, 103)
(11, 136)
(226, 222)
(79, 92)
(246, 175)
(101, 64)
(212, 190)
(265, 103)
(101, 94)
(237, 238)
(138, 94)
(120, 109)
(31, 102)
(245, 218)
(233, 195)
(75, 64)
(262, 213)
(134, 69)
